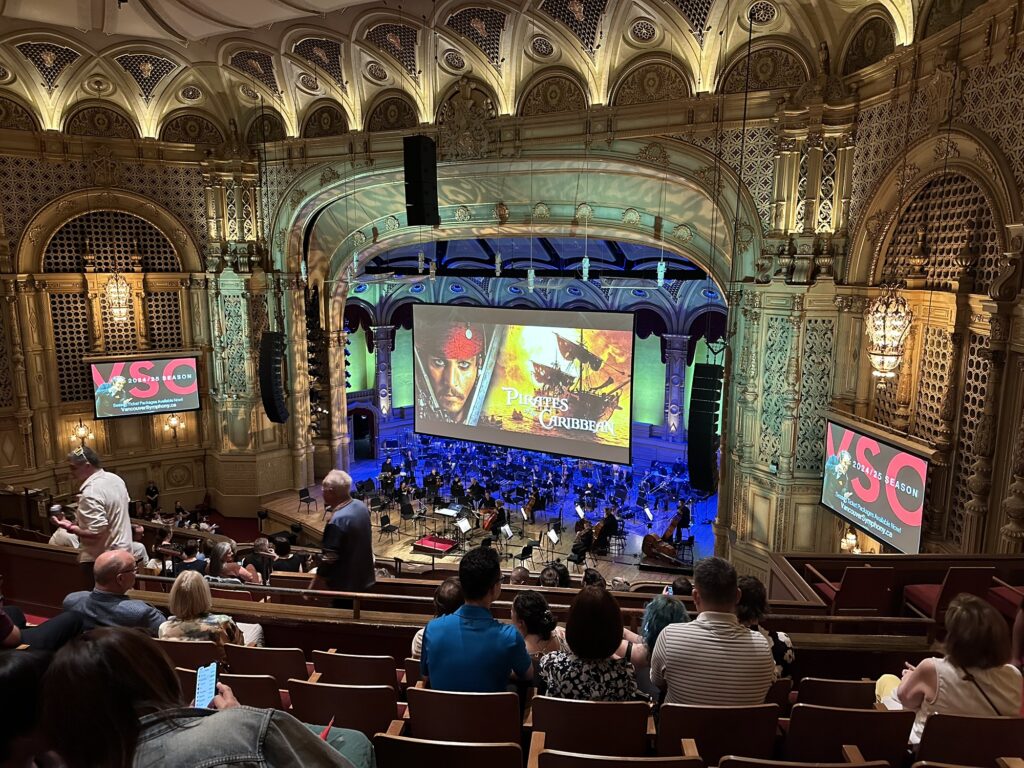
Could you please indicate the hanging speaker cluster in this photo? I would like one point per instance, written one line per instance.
(420, 156)
(272, 376)
(702, 425)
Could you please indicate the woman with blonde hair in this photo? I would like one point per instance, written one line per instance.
(191, 604)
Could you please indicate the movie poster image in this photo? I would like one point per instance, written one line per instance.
(547, 382)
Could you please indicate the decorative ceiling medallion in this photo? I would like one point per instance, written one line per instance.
(454, 60)
(192, 93)
(250, 93)
(309, 83)
(376, 71)
(643, 31)
(683, 233)
(541, 211)
(542, 47)
(584, 212)
(762, 12)
(631, 217)
(462, 213)
(97, 85)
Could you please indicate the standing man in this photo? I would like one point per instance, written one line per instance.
(347, 564)
(102, 523)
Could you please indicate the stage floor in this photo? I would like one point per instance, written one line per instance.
(285, 510)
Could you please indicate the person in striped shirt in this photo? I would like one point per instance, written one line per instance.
(713, 660)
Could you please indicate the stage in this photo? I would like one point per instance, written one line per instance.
(285, 510)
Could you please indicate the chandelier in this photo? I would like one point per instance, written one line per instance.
(888, 319)
(119, 298)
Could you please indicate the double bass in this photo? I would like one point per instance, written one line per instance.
(661, 547)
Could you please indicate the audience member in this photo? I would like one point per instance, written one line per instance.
(347, 558)
(103, 523)
(153, 496)
(128, 707)
(107, 605)
(593, 578)
(286, 559)
(588, 670)
(193, 619)
(470, 650)
(713, 660)
(564, 579)
(520, 575)
(61, 537)
(138, 548)
(548, 577)
(752, 607)
(535, 622)
(190, 559)
(262, 558)
(48, 636)
(21, 744)
(682, 586)
(973, 678)
(636, 649)
(447, 600)
(222, 565)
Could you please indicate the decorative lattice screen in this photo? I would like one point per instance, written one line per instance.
(815, 393)
(112, 236)
(885, 403)
(933, 381)
(118, 337)
(801, 189)
(975, 391)
(758, 169)
(827, 189)
(163, 315)
(71, 340)
(6, 385)
(776, 355)
(941, 208)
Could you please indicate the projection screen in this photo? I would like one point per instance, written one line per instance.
(558, 381)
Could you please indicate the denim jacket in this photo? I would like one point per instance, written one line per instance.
(241, 737)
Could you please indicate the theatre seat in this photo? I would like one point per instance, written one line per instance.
(848, 694)
(1007, 600)
(863, 590)
(593, 727)
(976, 741)
(402, 752)
(366, 708)
(931, 600)
(818, 734)
(469, 717)
(719, 731)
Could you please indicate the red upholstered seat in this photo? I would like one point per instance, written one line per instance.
(923, 596)
(827, 589)
(1006, 600)
(931, 600)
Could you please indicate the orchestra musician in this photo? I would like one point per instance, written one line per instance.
(584, 538)
(605, 529)
(682, 518)
(432, 485)
(387, 478)
(476, 492)
(531, 505)
(409, 462)
(458, 492)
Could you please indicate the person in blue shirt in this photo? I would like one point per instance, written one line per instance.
(470, 651)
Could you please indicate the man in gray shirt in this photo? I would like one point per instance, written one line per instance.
(347, 564)
(107, 604)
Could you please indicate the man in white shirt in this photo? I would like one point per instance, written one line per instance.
(102, 517)
(713, 660)
(61, 537)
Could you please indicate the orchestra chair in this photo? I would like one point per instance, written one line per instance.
(348, 669)
(849, 694)
(620, 728)
(975, 741)
(282, 664)
(525, 554)
(852, 755)
(407, 513)
(375, 505)
(686, 550)
(466, 717)
(192, 654)
(366, 708)
(553, 758)
(718, 731)
(305, 498)
(930, 601)
(231, 594)
(412, 672)
(862, 591)
(819, 734)
(393, 751)
(778, 694)
(387, 528)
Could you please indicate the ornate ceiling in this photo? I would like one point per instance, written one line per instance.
(183, 69)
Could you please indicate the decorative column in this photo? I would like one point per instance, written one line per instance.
(676, 349)
(980, 481)
(336, 339)
(384, 344)
(1011, 534)
(791, 397)
(22, 412)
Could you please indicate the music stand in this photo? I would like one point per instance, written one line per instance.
(551, 540)
(464, 527)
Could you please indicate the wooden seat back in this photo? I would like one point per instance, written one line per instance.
(817, 734)
(192, 654)
(866, 591)
(260, 691)
(282, 664)
(348, 669)
(593, 727)
(412, 672)
(748, 762)
(403, 751)
(976, 741)
(470, 717)
(366, 708)
(850, 694)
(230, 594)
(719, 731)
(973, 581)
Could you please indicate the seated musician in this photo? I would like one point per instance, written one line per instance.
(609, 527)
(584, 538)
(476, 491)
(458, 491)
(432, 484)
(409, 462)
(682, 520)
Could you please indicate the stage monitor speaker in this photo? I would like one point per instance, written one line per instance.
(420, 155)
(702, 426)
(271, 382)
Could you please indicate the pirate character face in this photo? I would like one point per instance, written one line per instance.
(453, 367)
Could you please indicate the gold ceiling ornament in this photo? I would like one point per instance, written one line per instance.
(887, 322)
(119, 298)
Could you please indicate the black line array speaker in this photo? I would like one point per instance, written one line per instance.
(271, 381)
(420, 155)
(702, 426)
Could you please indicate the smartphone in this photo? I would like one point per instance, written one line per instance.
(668, 590)
(206, 685)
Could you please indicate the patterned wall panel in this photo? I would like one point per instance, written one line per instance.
(326, 120)
(324, 55)
(399, 42)
(815, 393)
(118, 337)
(582, 17)
(941, 209)
(112, 236)
(827, 188)
(801, 187)
(191, 129)
(266, 127)
(49, 59)
(886, 405)
(944, 13)
(990, 95)
(770, 68)
(871, 43)
(933, 381)
(482, 27)
(71, 340)
(258, 65)
(394, 113)
(102, 122)
(652, 82)
(6, 384)
(758, 170)
(15, 117)
(696, 13)
(235, 376)
(146, 70)
(975, 392)
(163, 316)
(776, 355)
(554, 94)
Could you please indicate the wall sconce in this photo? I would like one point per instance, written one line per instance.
(82, 433)
(849, 542)
(173, 423)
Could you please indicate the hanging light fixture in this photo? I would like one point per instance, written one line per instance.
(82, 432)
(119, 298)
(887, 322)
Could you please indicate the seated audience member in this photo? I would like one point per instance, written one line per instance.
(548, 577)
(286, 559)
(535, 622)
(262, 558)
(682, 586)
(153, 496)
(61, 537)
(564, 579)
(470, 650)
(588, 671)
(636, 649)
(519, 576)
(21, 744)
(48, 636)
(138, 549)
(713, 660)
(192, 617)
(447, 600)
(222, 565)
(593, 578)
(190, 559)
(122, 686)
(107, 605)
(973, 678)
(752, 607)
